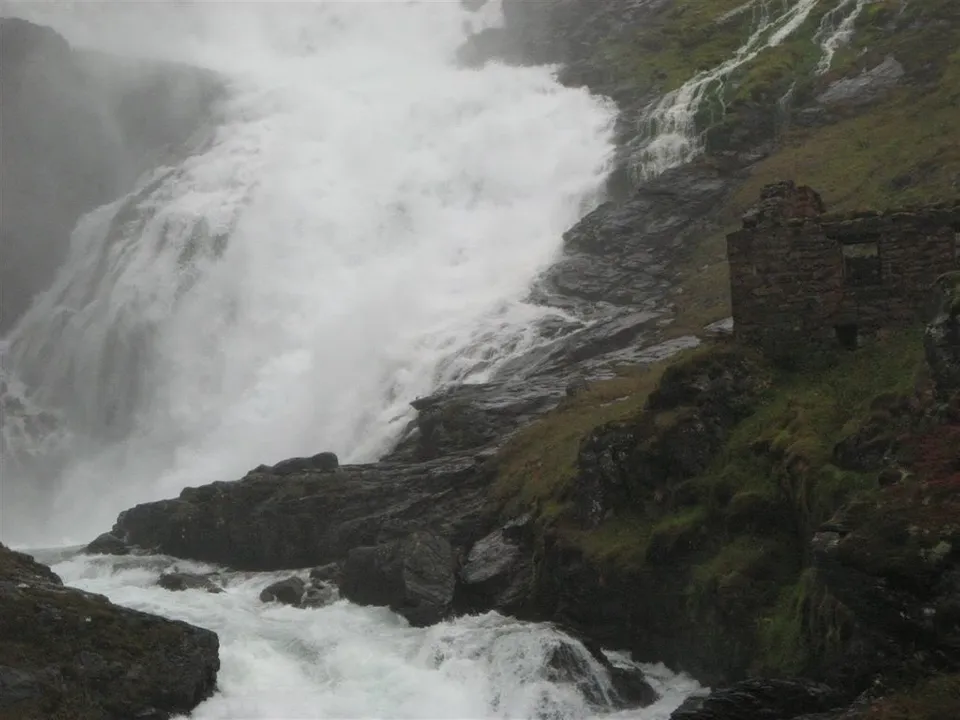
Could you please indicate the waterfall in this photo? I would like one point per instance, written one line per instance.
(668, 132)
(833, 35)
(358, 225)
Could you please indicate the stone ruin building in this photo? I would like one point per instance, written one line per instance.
(802, 281)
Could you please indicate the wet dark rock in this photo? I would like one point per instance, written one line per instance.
(571, 664)
(288, 592)
(413, 576)
(329, 573)
(270, 521)
(178, 582)
(761, 699)
(582, 664)
(459, 420)
(498, 571)
(319, 595)
(631, 687)
(621, 253)
(321, 462)
(867, 87)
(107, 544)
(68, 653)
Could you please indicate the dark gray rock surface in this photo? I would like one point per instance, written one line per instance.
(414, 576)
(65, 653)
(180, 581)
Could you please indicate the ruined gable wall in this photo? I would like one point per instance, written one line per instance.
(792, 286)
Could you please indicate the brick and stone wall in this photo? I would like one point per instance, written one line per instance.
(802, 280)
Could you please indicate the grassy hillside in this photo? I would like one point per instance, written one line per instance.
(901, 149)
(731, 542)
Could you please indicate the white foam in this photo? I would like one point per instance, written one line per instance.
(344, 661)
(669, 132)
(833, 34)
(386, 213)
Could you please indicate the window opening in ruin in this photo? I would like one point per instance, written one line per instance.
(861, 263)
(848, 336)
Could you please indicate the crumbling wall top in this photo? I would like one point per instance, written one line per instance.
(783, 201)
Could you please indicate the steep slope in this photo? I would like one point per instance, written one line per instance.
(76, 128)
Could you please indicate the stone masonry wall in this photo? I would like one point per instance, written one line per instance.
(804, 281)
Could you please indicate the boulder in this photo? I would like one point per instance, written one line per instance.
(867, 87)
(107, 544)
(68, 653)
(329, 573)
(498, 571)
(413, 576)
(277, 520)
(321, 462)
(761, 699)
(582, 664)
(288, 592)
(320, 595)
(178, 582)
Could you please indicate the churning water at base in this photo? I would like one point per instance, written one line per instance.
(358, 225)
(344, 661)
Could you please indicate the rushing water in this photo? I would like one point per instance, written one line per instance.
(357, 225)
(670, 133)
(344, 661)
(836, 29)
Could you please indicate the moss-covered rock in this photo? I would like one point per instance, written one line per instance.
(73, 655)
(682, 528)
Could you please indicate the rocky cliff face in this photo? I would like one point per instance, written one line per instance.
(789, 532)
(67, 653)
(76, 128)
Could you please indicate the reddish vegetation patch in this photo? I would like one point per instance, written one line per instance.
(936, 458)
(934, 699)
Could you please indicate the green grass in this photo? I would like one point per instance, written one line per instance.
(736, 535)
(540, 461)
(904, 150)
(804, 627)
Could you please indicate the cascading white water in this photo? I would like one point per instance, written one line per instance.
(360, 228)
(669, 134)
(358, 225)
(344, 661)
(833, 34)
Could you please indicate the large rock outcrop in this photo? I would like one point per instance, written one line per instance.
(71, 654)
(413, 575)
(77, 128)
(294, 517)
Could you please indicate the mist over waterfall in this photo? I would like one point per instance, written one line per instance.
(358, 224)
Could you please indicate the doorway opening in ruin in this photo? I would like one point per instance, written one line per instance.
(848, 336)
